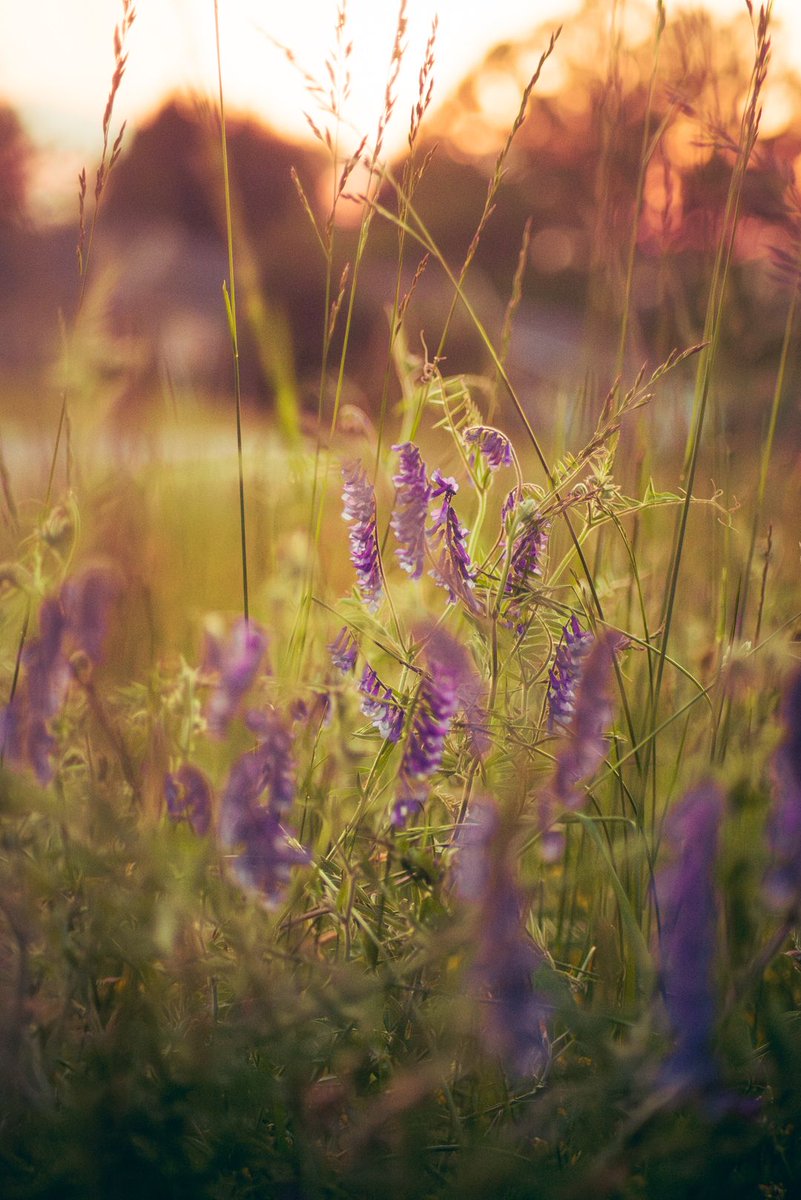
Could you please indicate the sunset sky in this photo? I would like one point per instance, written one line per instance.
(56, 58)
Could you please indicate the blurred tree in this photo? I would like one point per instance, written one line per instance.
(15, 156)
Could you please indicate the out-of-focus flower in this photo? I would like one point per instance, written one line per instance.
(344, 651)
(266, 854)
(274, 756)
(689, 909)
(236, 661)
(262, 846)
(410, 514)
(358, 495)
(87, 600)
(188, 795)
(783, 879)
(447, 538)
(493, 445)
(75, 619)
(583, 745)
(505, 959)
(380, 705)
(564, 676)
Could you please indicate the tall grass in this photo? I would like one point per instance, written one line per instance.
(466, 862)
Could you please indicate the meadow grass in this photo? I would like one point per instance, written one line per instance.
(440, 837)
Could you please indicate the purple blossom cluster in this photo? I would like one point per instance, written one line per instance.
(188, 795)
(438, 700)
(505, 959)
(566, 671)
(358, 496)
(447, 536)
(235, 661)
(344, 651)
(74, 621)
(262, 846)
(783, 879)
(584, 745)
(410, 512)
(689, 913)
(380, 705)
(494, 446)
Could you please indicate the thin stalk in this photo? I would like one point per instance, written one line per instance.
(229, 294)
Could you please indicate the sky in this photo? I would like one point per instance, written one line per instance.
(56, 60)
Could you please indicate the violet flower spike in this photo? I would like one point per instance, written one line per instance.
(783, 879)
(237, 660)
(447, 536)
(437, 702)
(584, 749)
(493, 445)
(262, 851)
(344, 651)
(87, 600)
(566, 671)
(410, 513)
(380, 705)
(506, 960)
(188, 795)
(689, 910)
(358, 495)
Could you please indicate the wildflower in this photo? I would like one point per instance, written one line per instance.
(526, 560)
(87, 600)
(410, 513)
(380, 705)
(236, 661)
(783, 880)
(359, 498)
(274, 757)
(493, 445)
(505, 959)
(447, 536)
(344, 651)
(188, 794)
(688, 906)
(437, 702)
(76, 618)
(264, 850)
(584, 747)
(564, 676)
(266, 854)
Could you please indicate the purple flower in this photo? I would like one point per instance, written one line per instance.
(525, 563)
(46, 664)
(76, 618)
(410, 513)
(380, 704)
(264, 854)
(188, 795)
(87, 600)
(783, 879)
(236, 660)
(447, 537)
(689, 908)
(437, 701)
(564, 676)
(527, 557)
(584, 746)
(505, 959)
(344, 651)
(275, 759)
(358, 495)
(494, 446)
